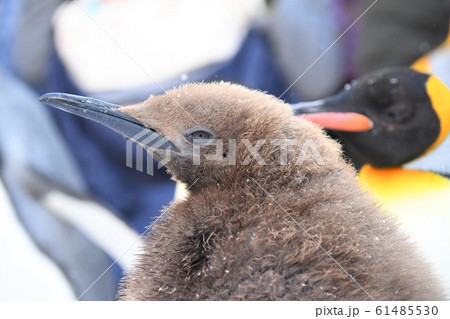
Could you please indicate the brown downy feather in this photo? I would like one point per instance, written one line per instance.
(300, 231)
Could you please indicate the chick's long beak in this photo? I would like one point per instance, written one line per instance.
(327, 114)
(109, 115)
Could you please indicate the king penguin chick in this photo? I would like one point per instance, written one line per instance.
(261, 221)
(398, 120)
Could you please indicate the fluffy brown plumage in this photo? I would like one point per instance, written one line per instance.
(266, 232)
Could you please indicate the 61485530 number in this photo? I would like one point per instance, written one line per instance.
(407, 310)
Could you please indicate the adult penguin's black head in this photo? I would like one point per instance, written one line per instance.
(390, 116)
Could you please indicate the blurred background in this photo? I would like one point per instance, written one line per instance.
(70, 206)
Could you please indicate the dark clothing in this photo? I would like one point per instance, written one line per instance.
(396, 33)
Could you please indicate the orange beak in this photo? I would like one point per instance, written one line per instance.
(346, 122)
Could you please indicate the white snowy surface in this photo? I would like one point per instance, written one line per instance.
(25, 272)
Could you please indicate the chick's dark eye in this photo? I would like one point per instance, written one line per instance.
(199, 137)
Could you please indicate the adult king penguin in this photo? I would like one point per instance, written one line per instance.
(265, 218)
(398, 120)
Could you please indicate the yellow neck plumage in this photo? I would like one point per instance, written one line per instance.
(397, 183)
